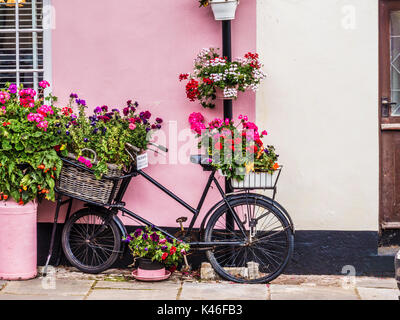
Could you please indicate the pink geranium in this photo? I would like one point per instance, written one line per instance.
(32, 117)
(45, 110)
(4, 97)
(43, 125)
(44, 84)
(85, 162)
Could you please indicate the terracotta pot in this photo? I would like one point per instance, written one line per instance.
(18, 248)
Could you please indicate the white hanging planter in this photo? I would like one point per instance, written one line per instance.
(224, 9)
(220, 93)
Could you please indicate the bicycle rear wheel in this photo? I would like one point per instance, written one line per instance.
(91, 241)
(263, 250)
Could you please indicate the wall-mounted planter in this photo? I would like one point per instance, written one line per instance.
(224, 9)
(220, 95)
(18, 248)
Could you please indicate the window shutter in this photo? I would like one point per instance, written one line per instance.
(21, 42)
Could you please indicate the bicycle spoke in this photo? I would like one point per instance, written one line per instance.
(264, 248)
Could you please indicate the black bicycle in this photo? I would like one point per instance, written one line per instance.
(248, 237)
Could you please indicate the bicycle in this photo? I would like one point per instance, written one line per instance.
(248, 237)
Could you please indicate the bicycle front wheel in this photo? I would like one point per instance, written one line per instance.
(263, 246)
(91, 241)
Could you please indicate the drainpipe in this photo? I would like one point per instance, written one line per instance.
(227, 52)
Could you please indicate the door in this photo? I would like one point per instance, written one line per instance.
(389, 114)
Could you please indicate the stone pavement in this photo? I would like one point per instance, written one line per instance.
(69, 284)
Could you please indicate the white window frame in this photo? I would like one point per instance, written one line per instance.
(46, 30)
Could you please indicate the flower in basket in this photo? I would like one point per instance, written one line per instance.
(204, 3)
(148, 243)
(235, 149)
(106, 131)
(29, 163)
(214, 76)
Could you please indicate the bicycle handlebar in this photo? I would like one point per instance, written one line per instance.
(136, 150)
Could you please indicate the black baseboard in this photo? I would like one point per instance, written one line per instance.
(316, 252)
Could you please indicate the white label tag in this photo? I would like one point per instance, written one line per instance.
(142, 161)
(398, 255)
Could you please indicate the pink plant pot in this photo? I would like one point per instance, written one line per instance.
(150, 271)
(18, 248)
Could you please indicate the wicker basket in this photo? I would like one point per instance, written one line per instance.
(83, 184)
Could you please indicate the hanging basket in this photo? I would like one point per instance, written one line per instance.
(80, 183)
(224, 9)
(220, 95)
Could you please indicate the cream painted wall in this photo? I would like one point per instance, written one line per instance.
(320, 105)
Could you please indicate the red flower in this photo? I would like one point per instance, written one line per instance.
(183, 76)
(5, 124)
(208, 81)
(57, 148)
(252, 149)
(192, 90)
(164, 256)
(259, 142)
(172, 250)
(66, 111)
(172, 269)
(218, 146)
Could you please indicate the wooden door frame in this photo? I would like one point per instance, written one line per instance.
(385, 6)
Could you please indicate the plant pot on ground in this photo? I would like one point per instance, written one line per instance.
(157, 253)
(29, 166)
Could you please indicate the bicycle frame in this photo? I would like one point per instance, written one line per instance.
(195, 211)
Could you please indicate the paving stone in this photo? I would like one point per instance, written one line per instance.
(7, 296)
(124, 294)
(292, 292)
(45, 286)
(378, 294)
(138, 285)
(223, 291)
(388, 283)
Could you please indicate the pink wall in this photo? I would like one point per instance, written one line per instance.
(112, 51)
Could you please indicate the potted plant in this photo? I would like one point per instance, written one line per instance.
(216, 77)
(155, 252)
(98, 142)
(237, 151)
(222, 9)
(29, 166)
